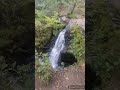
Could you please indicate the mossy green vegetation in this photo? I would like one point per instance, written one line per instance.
(43, 69)
(47, 27)
(77, 44)
(42, 36)
(103, 39)
(4, 82)
(16, 31)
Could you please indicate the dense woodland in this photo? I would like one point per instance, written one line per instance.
(47, 27)
(16, 44)
(102, 44)
(16, 22)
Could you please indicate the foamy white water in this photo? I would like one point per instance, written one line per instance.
(55, 53)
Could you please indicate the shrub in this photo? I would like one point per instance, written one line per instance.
(77, 44)
(42, 36)
(25, 76)
(4, 81)
(103, 41)
(42, 70)
(44, 27)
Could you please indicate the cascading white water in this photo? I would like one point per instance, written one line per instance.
(59, 46)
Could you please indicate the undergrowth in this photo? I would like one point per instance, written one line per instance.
(77, 45)
(43, 69)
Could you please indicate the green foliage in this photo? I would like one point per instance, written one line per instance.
(77, 45)
(39, 15)
(71, 15)
(103, 41)
(42, 70)
(48, 21)
(44, 27)
(47, 26)
(14, 25)
(42, 36)
(53, 22)
(11, 11)
(25, 78)
(49, 7)
(4, 82)
(7, 36)
(15, 22)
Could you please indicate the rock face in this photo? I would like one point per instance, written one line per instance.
(64, 19)
(80, 22)
(73, 22)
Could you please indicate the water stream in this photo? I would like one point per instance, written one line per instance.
(59, 46)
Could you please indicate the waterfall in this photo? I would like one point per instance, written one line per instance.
(55, 54)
